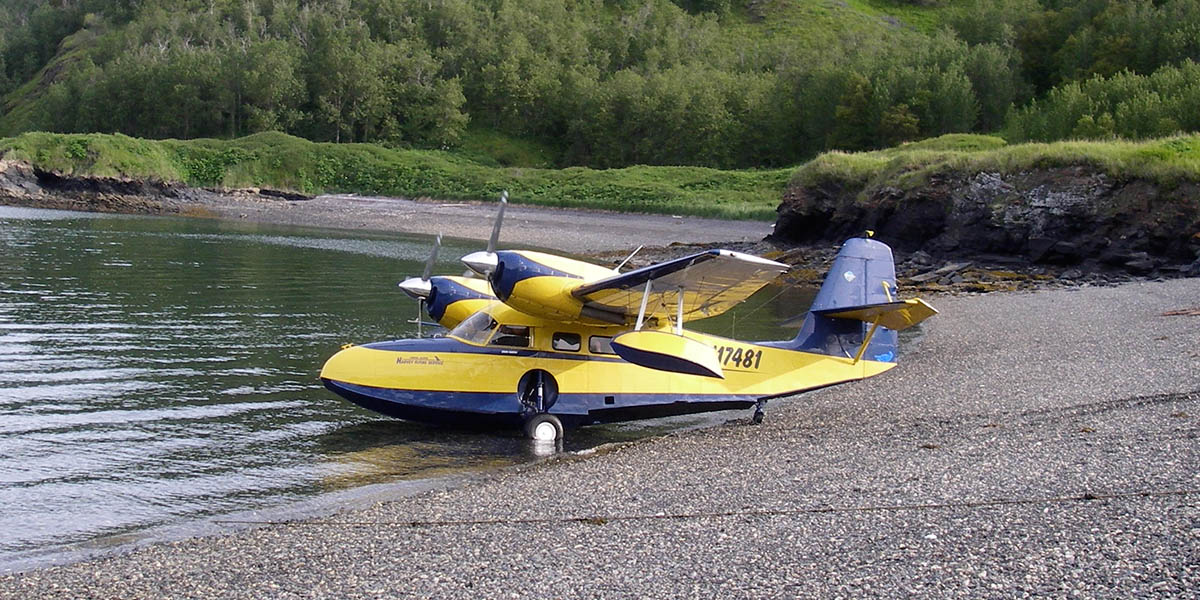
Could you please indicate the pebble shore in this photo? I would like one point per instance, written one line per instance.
(1029, 444)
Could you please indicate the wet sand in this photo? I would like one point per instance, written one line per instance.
(1039, 444)
(570, 230)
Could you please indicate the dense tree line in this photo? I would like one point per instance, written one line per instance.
(1125, 105)
(607, 83)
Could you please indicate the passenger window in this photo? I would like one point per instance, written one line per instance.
(565, 341)
(512, 335)
(600, 345)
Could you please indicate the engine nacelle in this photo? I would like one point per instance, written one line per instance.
(540, 284)
(452, 299)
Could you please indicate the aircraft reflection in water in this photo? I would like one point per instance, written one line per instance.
(545, 342)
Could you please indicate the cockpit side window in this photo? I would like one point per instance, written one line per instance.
(476, 329)
(516, 336)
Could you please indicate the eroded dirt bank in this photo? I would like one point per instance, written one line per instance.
(1076, 220)
(23, 185)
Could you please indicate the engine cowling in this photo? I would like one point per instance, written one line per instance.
(540, 284)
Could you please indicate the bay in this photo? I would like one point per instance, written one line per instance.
(159, 374)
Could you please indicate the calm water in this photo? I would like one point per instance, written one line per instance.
(158, 373)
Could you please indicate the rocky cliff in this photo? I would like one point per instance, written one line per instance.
(1068, 217)
(22, 184)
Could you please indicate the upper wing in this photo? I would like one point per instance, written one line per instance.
(711, 283)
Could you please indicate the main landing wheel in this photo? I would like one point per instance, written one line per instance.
(543, 427)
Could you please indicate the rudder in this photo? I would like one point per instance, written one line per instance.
(864, 272)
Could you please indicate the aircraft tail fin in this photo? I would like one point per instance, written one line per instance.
(857, 304)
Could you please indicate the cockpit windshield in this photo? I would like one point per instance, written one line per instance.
(476, 329)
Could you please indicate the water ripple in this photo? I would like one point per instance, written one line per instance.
(153, 371)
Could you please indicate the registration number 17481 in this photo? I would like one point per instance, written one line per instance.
(745, 358)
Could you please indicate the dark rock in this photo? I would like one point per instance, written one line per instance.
(1038, 247)
(920, 258)
(1062, 216)
(1115, 257)
(1045, 250)
(1066, 253)
(953, 268)
(997, 259)
(1141, 266)
(1072, 274)
(923, 277)
(22, 184)
(289, 196)
(1192, 270)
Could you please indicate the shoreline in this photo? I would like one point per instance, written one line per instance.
(603, 237)
(1030, 443)
(574, 230)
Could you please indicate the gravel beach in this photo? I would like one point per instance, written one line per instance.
(1036, 444)
(573, 230)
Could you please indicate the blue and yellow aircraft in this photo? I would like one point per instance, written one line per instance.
(547, 342)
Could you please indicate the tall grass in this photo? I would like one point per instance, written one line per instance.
(1166, 161)
(281, 161)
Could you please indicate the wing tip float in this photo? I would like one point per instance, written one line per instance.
(665, 351)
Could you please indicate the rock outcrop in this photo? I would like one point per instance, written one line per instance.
(1072, 217)
(22, 184)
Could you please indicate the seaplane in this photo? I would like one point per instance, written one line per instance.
(546, 343)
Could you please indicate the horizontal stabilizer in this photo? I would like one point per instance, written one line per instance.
(897, 316)
(668, 352)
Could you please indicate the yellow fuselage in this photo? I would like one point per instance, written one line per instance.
(459, 379)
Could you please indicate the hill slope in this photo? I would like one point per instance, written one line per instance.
(283, 162)
(720, 83)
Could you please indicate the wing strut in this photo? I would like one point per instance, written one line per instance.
(628, 258)
(679, 312)
(887, 290)
(420, 307)
(642, 310)
(866, 341)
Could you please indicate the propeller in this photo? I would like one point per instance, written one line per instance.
(484, 262)
(419, 287)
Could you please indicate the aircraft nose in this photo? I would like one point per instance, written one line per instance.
(360, 365)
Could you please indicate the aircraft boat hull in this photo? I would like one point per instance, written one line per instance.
(450, 382)
(459, 409)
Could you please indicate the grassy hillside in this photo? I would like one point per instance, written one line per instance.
(281, 161)
(605, 83)
(1165, 161)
